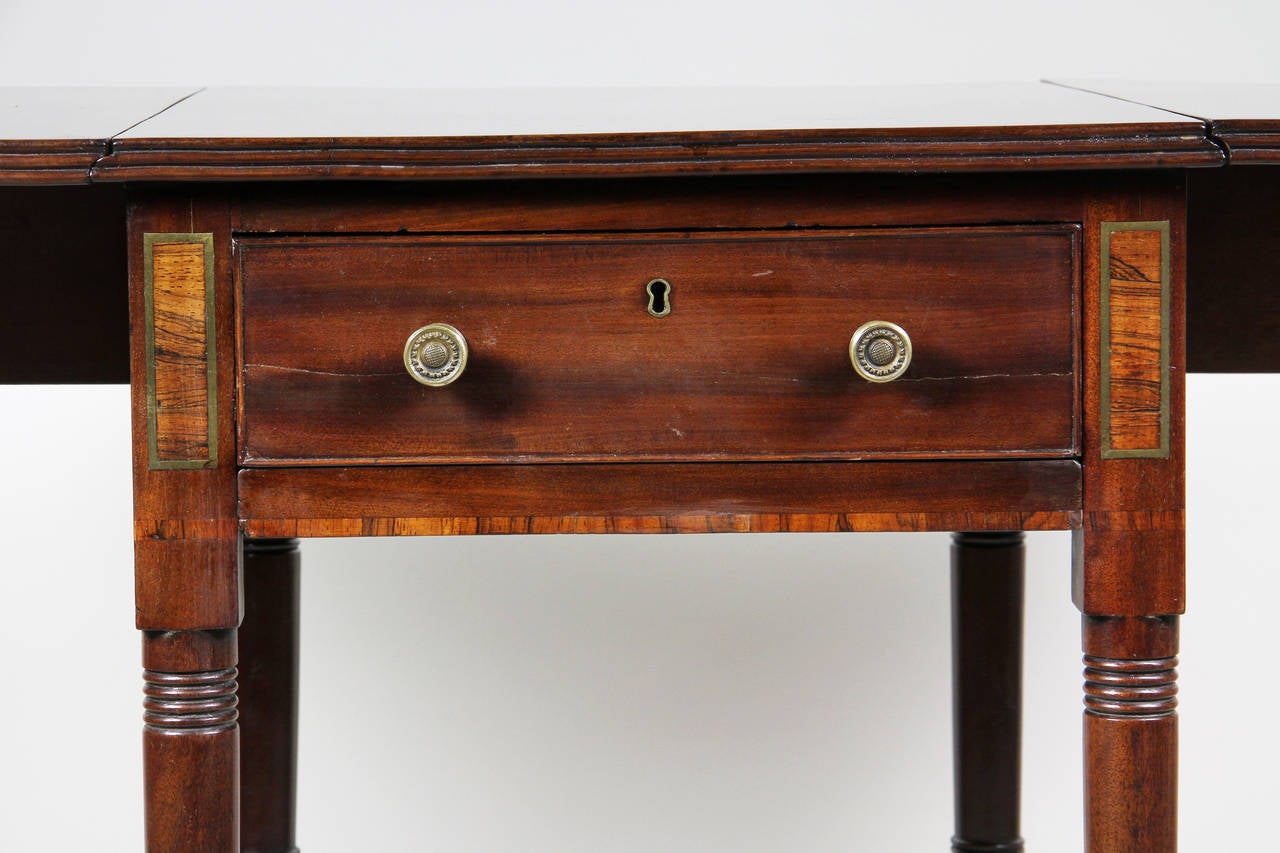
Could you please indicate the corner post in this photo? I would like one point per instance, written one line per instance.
(186, 533)
(1129, 553)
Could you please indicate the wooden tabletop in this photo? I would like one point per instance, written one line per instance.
(1244, 117)
(310, 133)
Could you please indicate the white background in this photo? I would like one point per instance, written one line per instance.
(767, 693)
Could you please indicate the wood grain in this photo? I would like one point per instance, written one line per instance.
(668, 498)
(180, 350)
(1096, 147)
(187, 574)
(1131, 812)
(1130, 550)
(1131, 734)
(1135, 340)
(186, 555)
(676, 204)
(1129, 573)
(1130, 556)
(752, 362)
(48, 163)
(191, 742)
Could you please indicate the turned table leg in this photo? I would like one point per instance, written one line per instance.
(269, 696)
(1131, 733)
(1128, 577)
(186, 542)
(986, 622)
(190, 742)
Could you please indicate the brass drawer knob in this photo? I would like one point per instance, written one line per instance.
(880, 351)
(436, 354)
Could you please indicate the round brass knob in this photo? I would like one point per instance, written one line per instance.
(880, 351)
(436, 354)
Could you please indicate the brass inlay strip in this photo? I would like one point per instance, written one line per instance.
(1134, 308)
(181, 351)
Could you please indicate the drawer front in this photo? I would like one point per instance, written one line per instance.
(752, 361)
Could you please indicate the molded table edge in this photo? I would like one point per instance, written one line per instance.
(66, 161)
(1254, 141)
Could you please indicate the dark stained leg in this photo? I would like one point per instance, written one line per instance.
(269, 696)
(987, 577)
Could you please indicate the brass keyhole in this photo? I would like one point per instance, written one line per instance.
(659, 291)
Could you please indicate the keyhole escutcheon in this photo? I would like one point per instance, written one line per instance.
(659, 291)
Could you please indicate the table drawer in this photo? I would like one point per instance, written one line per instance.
(567, 363)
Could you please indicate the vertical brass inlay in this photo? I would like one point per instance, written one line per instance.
(182, 398)
(1135, 339)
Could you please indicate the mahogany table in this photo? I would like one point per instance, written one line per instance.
(368, 313)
